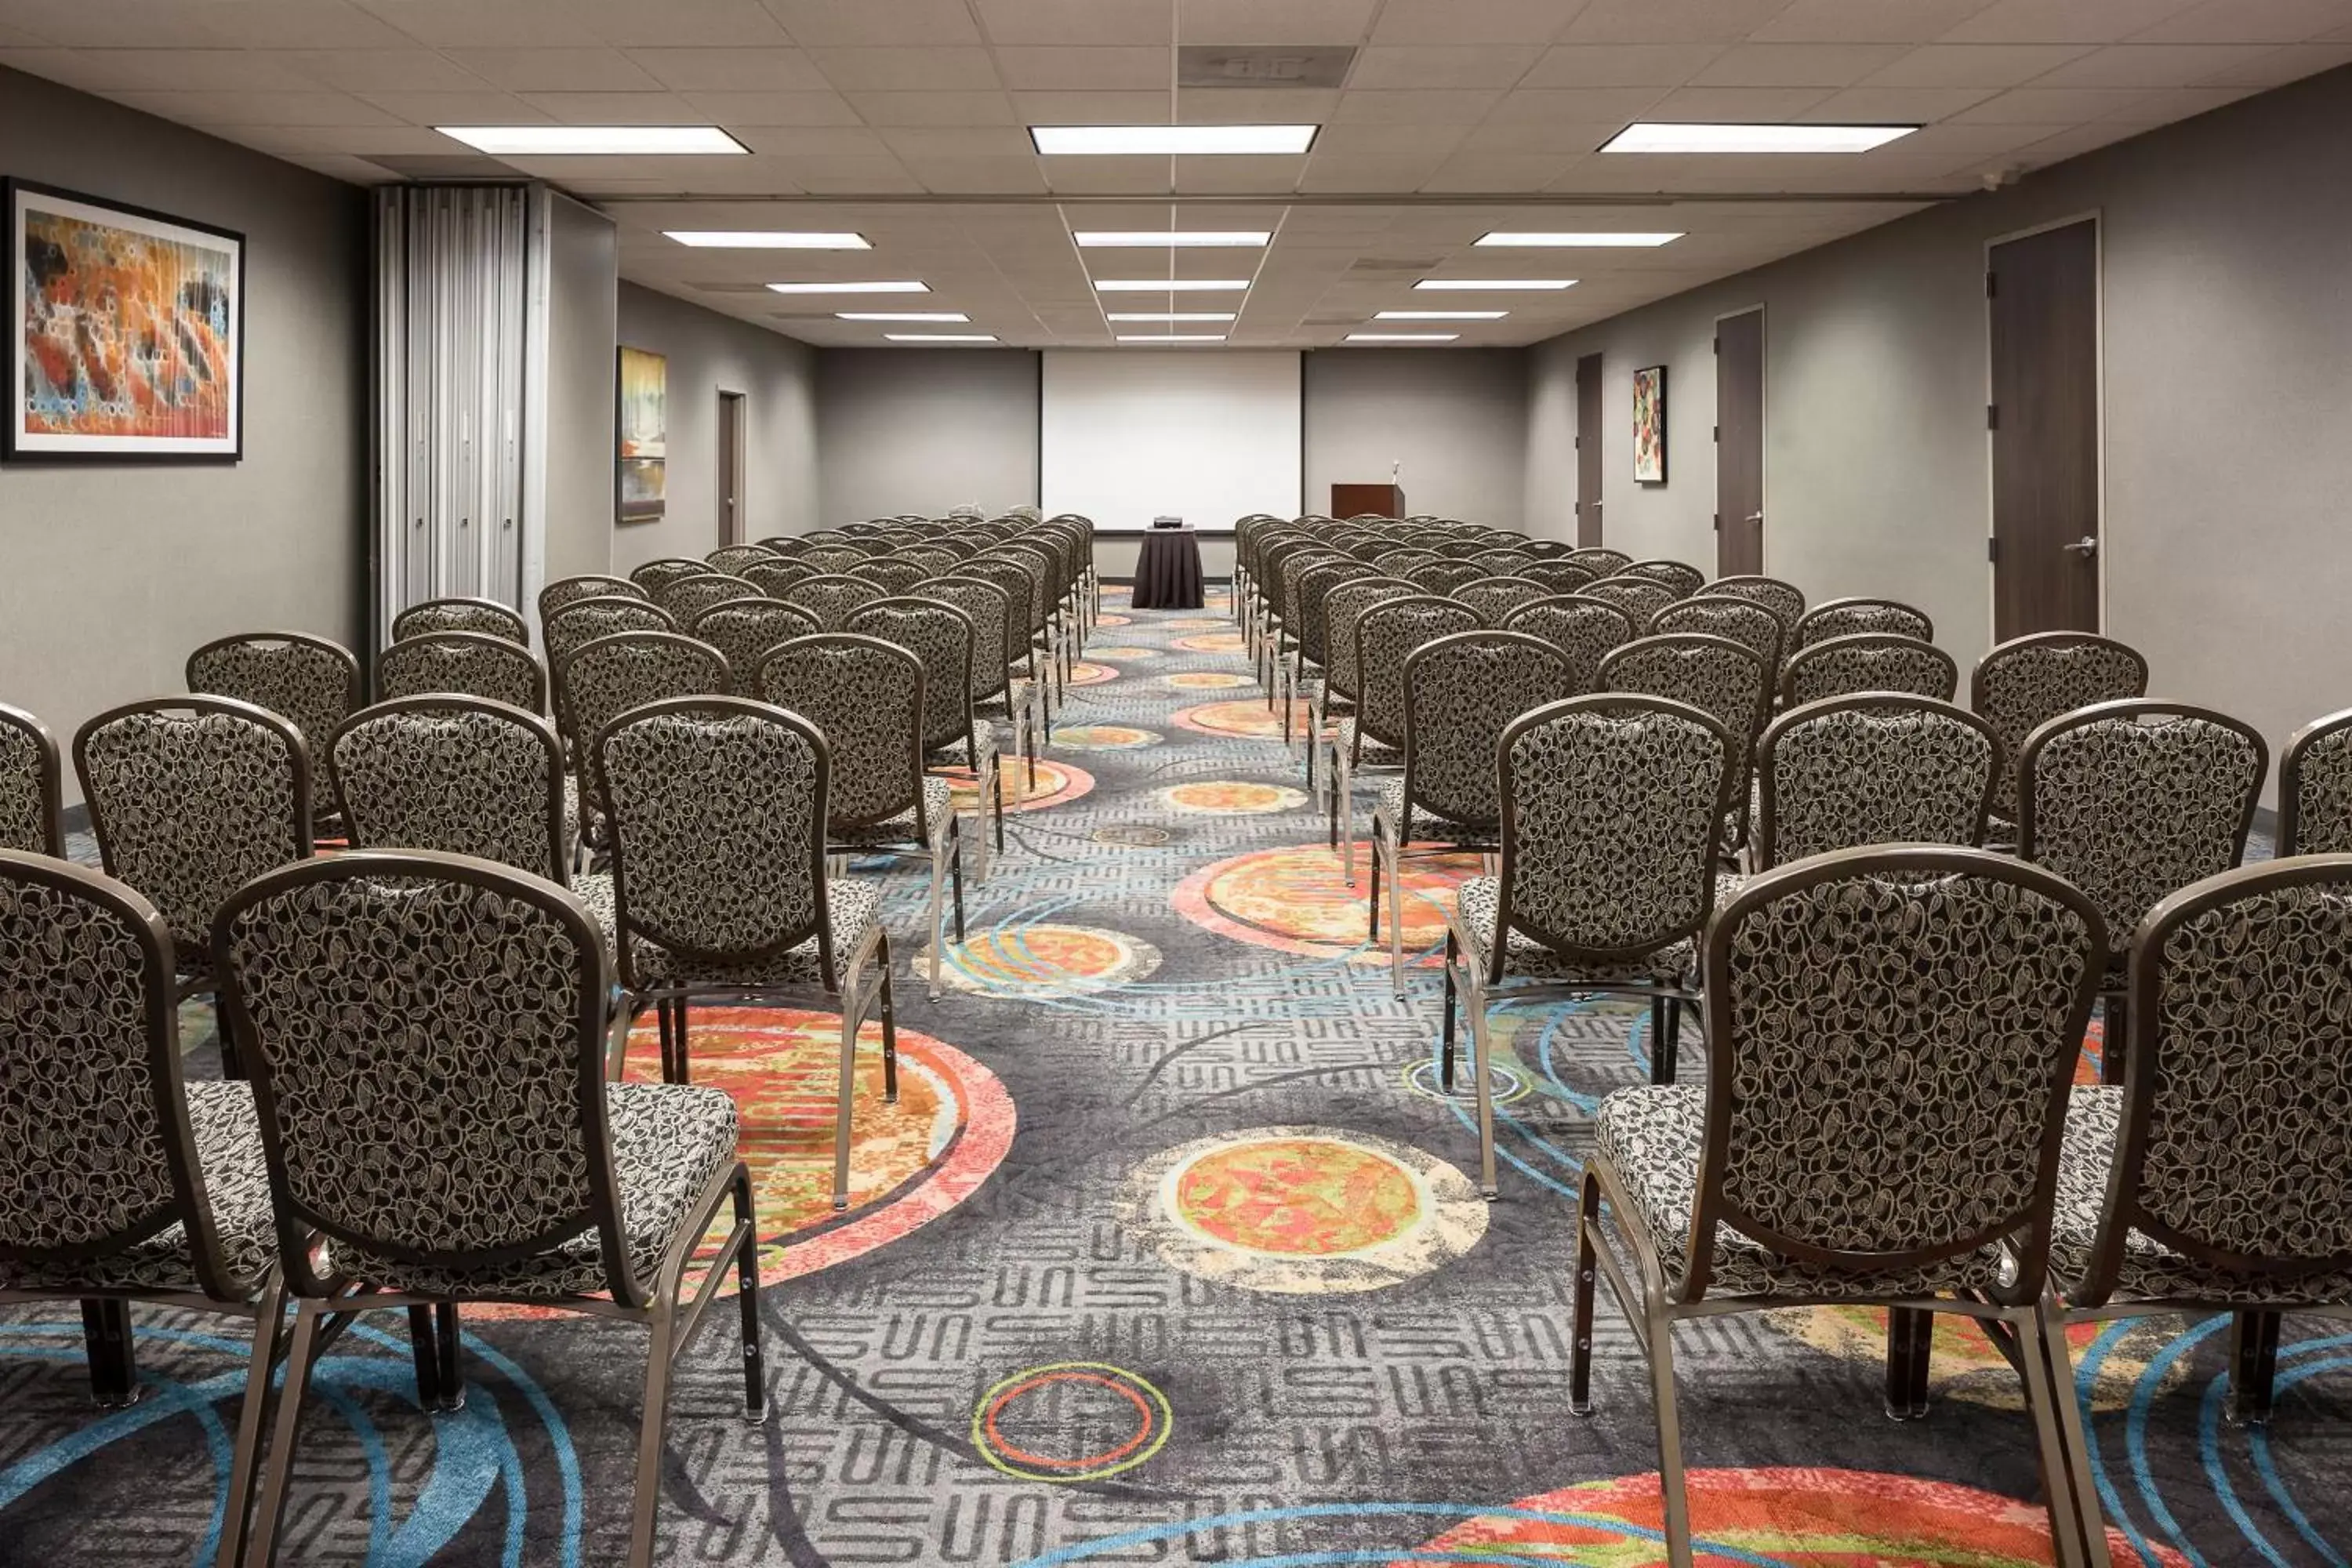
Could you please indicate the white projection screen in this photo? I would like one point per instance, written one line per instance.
(1207, 434)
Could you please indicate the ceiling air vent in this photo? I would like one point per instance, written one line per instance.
(1221, 64)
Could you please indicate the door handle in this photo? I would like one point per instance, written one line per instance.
(2086, 547)
(1755, 517)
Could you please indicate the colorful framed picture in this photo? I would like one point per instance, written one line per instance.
(1650, 426)
(644, 423)
(128, 338)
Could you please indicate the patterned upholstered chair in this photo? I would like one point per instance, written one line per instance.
(1048, 622)
(1557, 574)
(313, 683)
(732, 558)
(1502, 563)
(943, 638)
(1494, 598)
(472, 664)
(2131, 801)
(604, 679)
(1882, 1129)
(1845, 617)
(1742, 620)
(1685, 579)
(687, 597)
(1444, 576)
(866, 697)
(1601, 562)
(1373, 737)
(1879, 768)
(834, 598)
(1335, 696)
(1311, 659)
(891, 574)
(774, 575)
(656, 576)
(1785, 600)
(1607, 809)
(1285, 617)
(2022, 684)
(938, 558)
(1024, 597)
(2314, 812)
(1724, 679)
(521, 1176)
(571, 590)
(831, 559)
(1461, 692)
(487, 617)
(749, 630)
(1460, 548)
(1640, 597)
(124, 1182)
(2216, 1179)
(1869, 661)
(32, 785)
(584, 620)
(997, 694)
(191, 798)
(1584, 629)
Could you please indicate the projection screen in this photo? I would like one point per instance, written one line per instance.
(1206, 435)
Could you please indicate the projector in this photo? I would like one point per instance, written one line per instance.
(1167, 523)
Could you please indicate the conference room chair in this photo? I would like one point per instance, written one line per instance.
(471, 664)
(746, 631)
(487, 617)
(996, 692)
(867, 527)
(1268, 611)
(311, 682)
(866, 697)
(687, 597)
(583, 620)
(1599, 560)
(1494, 598)
(1557, 574)
(1310, 579)
(2204, 1185)
(1281, 566)
(1742, 620)
(522, 1176)
(1876, 768)
(566, 591)
(1871, 661)
(1444, 576)
(1724, 679)
(656, 576)
(1018, 582)
(607, 678)
(2021, 684)
(1548, 549)
(126, 1184)
(943, 637)
(833, 558)
(1387, 635)
(1502, 563)
(191, 798)
(773, 576)
(893, 575)
(1608, 805)
(1843, 618)
(2131, 801)
(2315, 809)
(1683, 578)
(1333, 700)
(834, 598)
(1913, 1166)
(1587, 630)
(938, 558)
(1461, 692)
(1785, 600)
(786, 546)
(732, 558)
(1044, 662)
(32, 785)
(1458, 548)
(1640, 597)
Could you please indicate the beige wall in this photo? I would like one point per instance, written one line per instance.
(925, 430)
(1456, 419)
(582, 279)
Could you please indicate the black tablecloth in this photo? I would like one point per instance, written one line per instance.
(1168, 571)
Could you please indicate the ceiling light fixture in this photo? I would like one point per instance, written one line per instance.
(765, 239)
(900, 316)
(1171, 337)
(1659, 136)
(1497, 284)
(1403, 337)
(1439, 315)
(1171, 141)
(1171, 284)
(1170, 315)
(1176, 239)
(1605, 240)
(907, 285)
(580, 141)
(939, 337)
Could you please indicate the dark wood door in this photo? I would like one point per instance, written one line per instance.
(1739, 445)
(1588, 451)
(730, 467)
(2042, 299)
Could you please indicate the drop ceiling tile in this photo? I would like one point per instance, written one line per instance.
(1406, 107)
(732, 70)
(1620, 65)
(2249, 22)
(293, 25)
(1132, 108)
(816, 140)
(133, 23)
(613, 107)
(2280, 66)
(210, 109)
(1669, 21)
(847, 175)
(1895, 105)
(1075, 21)
(1472, 21)
(556, 69)
(1112, 176)
(1551, 136)
(1496, 172)
(1795, 65)
(193, 71)
(718, 24)
(2049, 106)
(961, 141)
(1256, 176)
(2162, 106)
(469, 24)
(842, 22)
(384, 71)
(486, 107)
(1865, 21)
(1290, 21)
(1974, 65)
(738, 110)
(1442, 66)
(934, 108)
(1074, 69)
(2063, 21)
(945, 69)
(2151, 64)
(1256, 105)
(1560, 106)
(1387, 137)
(342, 166)
(1737, 103)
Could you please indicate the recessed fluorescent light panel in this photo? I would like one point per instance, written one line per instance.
(1172, 140)
(765, 239)
(1178, 239)
(900, 316)
(1497, 284)
(1650, 136)
(552, 140)
(1403, 337)
(1533, 240)
(907, 286)
(1439, 315)
(939, 337)
(1171, 284)
(1171, 337)
(1170, 315)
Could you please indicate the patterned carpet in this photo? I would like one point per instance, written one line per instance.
(1167, 1255)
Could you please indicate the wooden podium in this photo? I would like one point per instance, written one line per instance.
(1382, 501)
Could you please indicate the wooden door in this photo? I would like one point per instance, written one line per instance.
(730, 467)
(1739, 444)
(1588, 451)
(2042, 299)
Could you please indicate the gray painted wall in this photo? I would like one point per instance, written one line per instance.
(2228, 376)
(709, 354)
(925, 430)
(1456, 418)
(583, 276)
(111, 574)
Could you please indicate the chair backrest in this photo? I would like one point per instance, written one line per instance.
(2232, 1148)
(1459, 549)
(449, 1114)
(1681, 576)
(191, 798)
(2133, 800)
(1558, 576)
(32, 785)
(1343, 609)
(571, 590)
(1503, 562)
(1785, 600)
(1018, 584)
(833, 558)
(1600, 562)
(100, 1155)
(1313, 593)
(893, 575)
(485, 615)
(1610, 811)
(656, 576)
(1869, 661)
(772, 576)
(1495, 597)
(1639, 597)
(733, 558)
(718, 810)
(1902, 1104)
(938, 634)
(1584, 629)
(1742, 620)
(457, 774)
(747, 631)
(2315, 809)
(985, 605)
(834, 598)
(578, 624)
(1843, 618)
(1877, 768)
(2022, 684)
(471, 664)
(604, 679)
(312, 683)
(1721, 679)
(1386, 635)
(687, 597)
(1461, 692)
(1443, 575)
(866, 697)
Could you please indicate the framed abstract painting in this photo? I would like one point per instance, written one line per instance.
(1650, 426)
(643, 482)
(128, 337)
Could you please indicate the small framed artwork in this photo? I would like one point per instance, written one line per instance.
(128, 337)
(1650, 426)
(642, 486)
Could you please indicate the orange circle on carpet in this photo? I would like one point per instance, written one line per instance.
(1231, 797)
(1085, 674)
(1213, 642)
(1205, 680)
(1057, 782)
(1295, 900)
(1249, 718)
(1297, 1195)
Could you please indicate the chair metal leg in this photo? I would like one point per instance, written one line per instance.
(2253, 1365)
(1580, 1364)
(426, 1351)
(647, 1494)
(890, 1029)
(685, 1058)
(112, 1352)
(269, 1330)
(2114, 1021)
(996, 781)
(2078, 1539)
(1445, 1050)
(1910, 1335)
(851, 1008)
(1396, 915)
(938, 915)
(955, 872)
(747, 1301)
(1670, 1436)
(1481, 1043)
(1372, 899)
(269, 1511)
(452, 1370)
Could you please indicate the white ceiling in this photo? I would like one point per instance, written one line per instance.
(903, 119)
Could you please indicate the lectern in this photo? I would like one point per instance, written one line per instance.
(1355, 500)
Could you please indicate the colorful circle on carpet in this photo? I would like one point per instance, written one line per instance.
(1295, 899)
(1126, 653)
(1964, 1365)
(1213, 642)
(1132, 835)
(1205, 680)
(1505, 1082)
(1230, 797)
(1302, 1210)
(1195, 624)
(1072, 1421)
(1104, 738)
(1085, 674)
(1057, 782)
(1791, 1517)
(1110, 620)
(1039, 960)
(1249, 718)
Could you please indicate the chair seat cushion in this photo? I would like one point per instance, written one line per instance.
(1373, 755)
(237, 1185)
(855, 907)
(1652, 1136)
(1480, 900)
(1388, 807)
(668, 1141)
(982, 743)
(938, 810)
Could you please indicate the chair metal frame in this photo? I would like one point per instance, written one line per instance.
(518, 630)
(2290, 774)
(48, 782)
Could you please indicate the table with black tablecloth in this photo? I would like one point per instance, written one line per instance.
(1168, 571)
